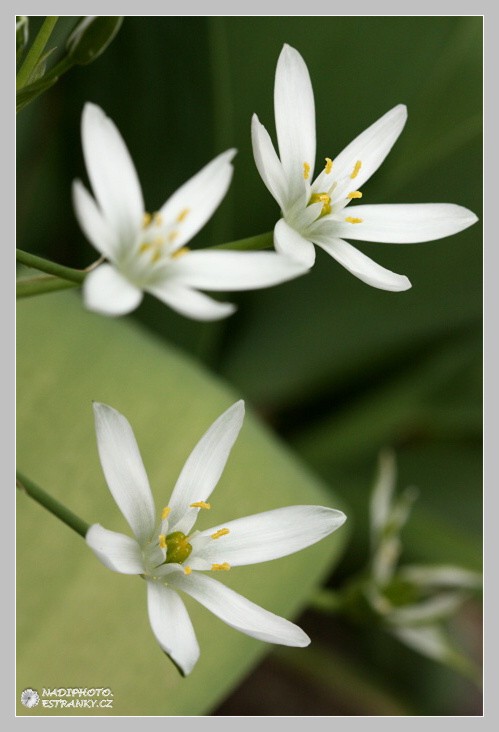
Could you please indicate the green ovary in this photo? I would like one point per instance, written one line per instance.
(177, 548)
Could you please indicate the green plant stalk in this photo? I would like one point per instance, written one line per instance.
(52, 268)
(36, 50)
(262, 241)
(51, 504)
(30, 286)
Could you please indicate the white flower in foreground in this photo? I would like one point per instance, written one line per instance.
(147, 252)
(314, 211)
(171, 556)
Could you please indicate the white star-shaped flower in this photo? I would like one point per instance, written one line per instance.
(314, 211)
(147, 252)
(172, 557)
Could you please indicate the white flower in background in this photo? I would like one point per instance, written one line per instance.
(314, 211)
(147, 252)
(171, 556)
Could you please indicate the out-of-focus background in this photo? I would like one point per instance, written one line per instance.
(338, 370)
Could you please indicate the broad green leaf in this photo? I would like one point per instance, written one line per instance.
(79, 624)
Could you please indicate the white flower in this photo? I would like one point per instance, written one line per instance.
(313, 211)
(171, 557)
(147, 252)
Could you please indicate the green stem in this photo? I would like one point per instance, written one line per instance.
(51, 504)
(45, 265)
(262, 241)
(30, 286)
(36, 50)
(326, 601)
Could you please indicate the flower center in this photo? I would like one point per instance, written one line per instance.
(323, 198)
(177, 547)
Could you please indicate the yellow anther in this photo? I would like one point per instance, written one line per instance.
(355, 194)
(201, 504)
(157, 218)
(156, 256)
(306, 171)
(221, 567)
(172, 236)
(162, 541)
(145, 247)
(323, 198)
(180, 252)
(146, 220)
(329, 166)
(353, 220)
(356, 169)
(219, 533)
(187, 570)
(182, 215)
(165, 512)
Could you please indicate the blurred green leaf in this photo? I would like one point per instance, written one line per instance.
(78, 623)
(22, 31)
(91, 36)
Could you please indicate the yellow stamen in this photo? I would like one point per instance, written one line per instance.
(323, 198)
(306, 171)
(146, 220)
(180, 252)
(158, 219)
(219, 533)
(165, 512)
(221, 567)
(182, 215)
(162, 541)
(201, 504)
(355, 194)
(329, 166)
(156, 256)
(187, 570)
(172, 236)
(145, 247)
(356, 169)
(353, 220)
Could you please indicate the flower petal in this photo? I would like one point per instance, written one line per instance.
(94, 225)
(405, 223)
(268, 164)
(189, 302)
(361, 266)
(106, 291)
(112, 173)
(116, 551)
(172, 627)
(231, 270)
(370, 148)
(190, 207)
(124, 471)
(269, 535)
(240, 613)
(204, 467)
(290, 243)
(294, 118)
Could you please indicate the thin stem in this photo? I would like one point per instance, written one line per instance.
(36, 50)
(51, 504)
(45, 265)
(262, 241)
(30, 286)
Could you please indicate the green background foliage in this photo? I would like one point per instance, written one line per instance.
(338, 369)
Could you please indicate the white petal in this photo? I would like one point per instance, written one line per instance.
(429, 640)
(240, 613)
(116, 551)
(172, 626)
(406, 223)
(190, 207)
(294, 117)
(382, 494)
(442, 575)
(112, 174)
(189, 302)
(106, 291)
(291, 244)
(268, 164)
(204, 467)
(94, 225)
(361, 266)
(124, 471)
(231, 270)
(269, 535)
(371, 147)
(434, 609)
